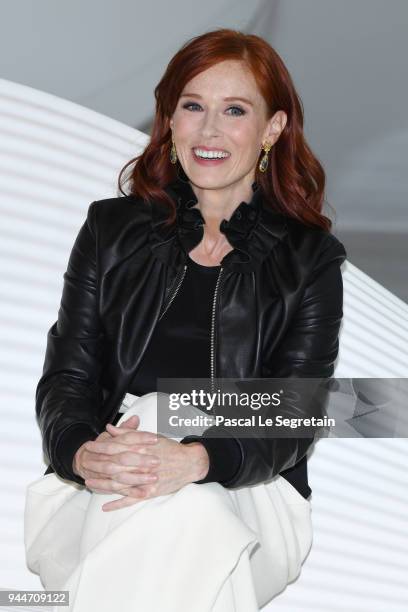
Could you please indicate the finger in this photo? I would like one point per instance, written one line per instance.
(126, 462)
(104, 465)
(105, 447)
(132, 478)
(132, 496)
(102, 485)
(119, 444)
(134, 460)
(132, 421)
(110, 450)
(119, 503)
(94, 474)
(147, 489)
(124, 478)
(123, 492)
(104, 436)
(117, 431)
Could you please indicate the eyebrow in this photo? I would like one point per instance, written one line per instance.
(231, 98)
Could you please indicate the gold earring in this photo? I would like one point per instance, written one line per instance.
(173, 152)
(263, 164)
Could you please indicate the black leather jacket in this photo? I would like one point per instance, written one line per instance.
(278, 313)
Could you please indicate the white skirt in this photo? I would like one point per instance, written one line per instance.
(202, 548)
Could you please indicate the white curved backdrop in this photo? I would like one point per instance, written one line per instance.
(55, 158)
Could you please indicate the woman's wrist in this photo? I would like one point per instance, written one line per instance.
(199, 461)
(76, 460)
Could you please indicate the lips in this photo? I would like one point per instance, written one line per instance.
(213, 160)
(209, 161)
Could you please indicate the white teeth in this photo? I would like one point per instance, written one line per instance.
(210, 154)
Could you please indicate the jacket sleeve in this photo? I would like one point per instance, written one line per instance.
(68, 394)
(308, 350)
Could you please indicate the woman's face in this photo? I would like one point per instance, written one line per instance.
(211, 115)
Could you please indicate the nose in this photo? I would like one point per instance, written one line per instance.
(210, 126)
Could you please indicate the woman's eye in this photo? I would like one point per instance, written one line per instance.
(190, 104)
(238, 108)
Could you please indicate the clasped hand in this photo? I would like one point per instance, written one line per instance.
(137, 464)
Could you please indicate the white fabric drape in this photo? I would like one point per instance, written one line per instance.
(202, 548)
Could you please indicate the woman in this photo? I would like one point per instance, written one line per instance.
(218, 264)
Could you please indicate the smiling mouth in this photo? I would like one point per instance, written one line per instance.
(204, 155)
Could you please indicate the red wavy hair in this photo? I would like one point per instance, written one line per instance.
(295, 178)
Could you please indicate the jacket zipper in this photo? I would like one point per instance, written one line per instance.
(178, 285)
(212, 356)
(214, 306)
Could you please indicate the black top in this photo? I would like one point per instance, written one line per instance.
(180, 343)
(180, 348)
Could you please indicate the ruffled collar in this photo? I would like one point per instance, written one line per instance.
(253, 228)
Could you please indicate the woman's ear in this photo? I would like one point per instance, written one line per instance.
(275, 126)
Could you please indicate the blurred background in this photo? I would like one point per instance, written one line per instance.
(76, 99)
